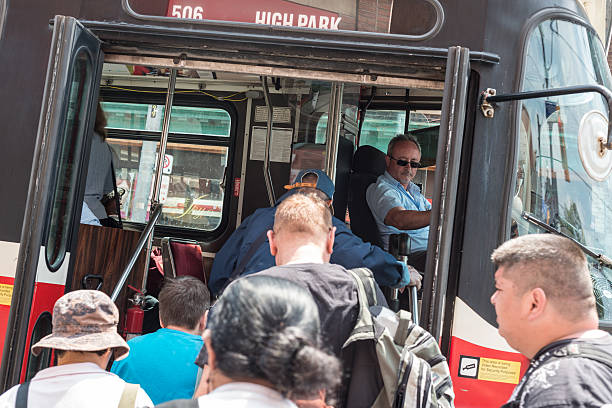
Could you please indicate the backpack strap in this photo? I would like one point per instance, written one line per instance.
(128, 397)
(21, 400)
(403, 329)
(591, 352)
(364, 275)
(366, 296)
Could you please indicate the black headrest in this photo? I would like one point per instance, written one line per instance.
(370, 160)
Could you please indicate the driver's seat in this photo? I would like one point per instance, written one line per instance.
(368, 164)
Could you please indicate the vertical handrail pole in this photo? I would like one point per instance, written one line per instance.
(266, 164)
(333, 130)
(164, 135)
(159, 167)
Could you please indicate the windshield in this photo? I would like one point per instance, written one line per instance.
(552, 183)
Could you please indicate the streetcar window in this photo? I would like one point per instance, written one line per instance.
(185, 119)
(192, 190)
(68, 162)
(551, 181)
(380, 126)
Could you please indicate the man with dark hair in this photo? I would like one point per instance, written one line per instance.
(83, 339)
(162, 362)
(397, 203)
(247, 250)
(546, 310)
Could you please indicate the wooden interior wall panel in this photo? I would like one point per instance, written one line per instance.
(106, 251)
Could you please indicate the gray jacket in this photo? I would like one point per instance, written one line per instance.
(99, 175)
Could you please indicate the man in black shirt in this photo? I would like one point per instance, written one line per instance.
(546, 310)
(301, 242)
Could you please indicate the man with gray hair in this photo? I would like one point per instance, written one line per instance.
(546, 310)
(397, 203)
(84, 337)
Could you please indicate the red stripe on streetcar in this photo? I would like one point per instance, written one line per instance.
(483, 377)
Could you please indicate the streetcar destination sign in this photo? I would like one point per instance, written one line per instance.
(268, 12)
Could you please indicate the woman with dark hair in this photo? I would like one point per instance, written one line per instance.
(99, 174)
(262, 339)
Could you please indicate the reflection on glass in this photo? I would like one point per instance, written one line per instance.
(310, 139)
(191, 183)
(185, 119)
(380, 126)
(552, 183)
(68, 162)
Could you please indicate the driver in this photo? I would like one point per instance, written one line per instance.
(397, 203)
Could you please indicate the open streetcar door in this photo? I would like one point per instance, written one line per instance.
(454, 106)
(66, 122)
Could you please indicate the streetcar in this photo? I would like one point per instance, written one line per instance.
(212, 107)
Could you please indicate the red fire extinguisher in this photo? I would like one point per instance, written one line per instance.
(135, 315)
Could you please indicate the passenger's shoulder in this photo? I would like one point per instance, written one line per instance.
(142, 399)
(8, 398)
(380, 189)
(380, 182)
(582, 365)
(569, 381)
(181, 403)
(138, 341)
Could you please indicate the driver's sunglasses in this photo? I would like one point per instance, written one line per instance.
(404, 163)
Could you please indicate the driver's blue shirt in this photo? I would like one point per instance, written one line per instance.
(388, 193)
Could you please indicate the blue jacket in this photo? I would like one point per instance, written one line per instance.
(349, 251)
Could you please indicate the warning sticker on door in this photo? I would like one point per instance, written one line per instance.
(490, 369)
(6, 293)
(468, 366)
(499, 370)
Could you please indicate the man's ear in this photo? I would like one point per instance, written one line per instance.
(202, 323)
(536, 303)
(331, 235)
(212, 362)
(387, 160)
(273, 247)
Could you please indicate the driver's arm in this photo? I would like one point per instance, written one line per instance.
(403, 219)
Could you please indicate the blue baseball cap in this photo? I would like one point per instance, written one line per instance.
(323, 183)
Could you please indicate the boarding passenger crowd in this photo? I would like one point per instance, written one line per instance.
(293, 316)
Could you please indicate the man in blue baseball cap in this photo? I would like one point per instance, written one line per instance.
(248, 251)
(313, 178)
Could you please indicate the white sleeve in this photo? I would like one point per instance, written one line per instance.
(8, 399)
(142, 399)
